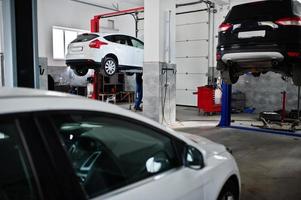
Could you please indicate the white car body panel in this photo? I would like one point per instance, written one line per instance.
(126, 55)
(182, 183)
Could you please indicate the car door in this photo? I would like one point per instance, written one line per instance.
(122, 49)
(27, 172)
(139, 51)
(119, 158)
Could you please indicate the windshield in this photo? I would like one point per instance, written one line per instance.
(262, 10)
(85, 37)
(297, 7)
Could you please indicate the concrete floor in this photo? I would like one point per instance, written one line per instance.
(270, 165)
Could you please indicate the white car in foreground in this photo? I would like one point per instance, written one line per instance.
(57, 146)
(112, 52)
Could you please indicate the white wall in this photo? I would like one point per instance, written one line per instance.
(66, 13)
(1, 28)
(159, 39)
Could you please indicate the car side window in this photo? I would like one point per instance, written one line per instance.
(136, 43)
(121, 39)
(109, 153)
(16, 180)
(110, 38)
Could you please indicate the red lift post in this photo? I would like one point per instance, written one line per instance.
(95, 24)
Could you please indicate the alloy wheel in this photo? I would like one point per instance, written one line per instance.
(110, 67)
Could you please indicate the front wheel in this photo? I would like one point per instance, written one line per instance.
(109, 66)
(229, 192)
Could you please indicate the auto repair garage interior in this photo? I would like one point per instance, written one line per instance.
(257, 117)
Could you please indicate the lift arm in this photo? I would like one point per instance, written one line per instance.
(95, 22)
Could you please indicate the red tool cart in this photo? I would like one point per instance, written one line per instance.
(206, 100)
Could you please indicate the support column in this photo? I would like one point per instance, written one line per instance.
(159, 71)
(9, 50)
(20, 43)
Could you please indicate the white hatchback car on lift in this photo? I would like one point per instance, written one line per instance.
(57, 146)
(112, 52)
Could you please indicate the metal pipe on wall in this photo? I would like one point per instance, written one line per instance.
(209, 39)
(2, 69)
(91, 4)
(213, 44)
(188, 4)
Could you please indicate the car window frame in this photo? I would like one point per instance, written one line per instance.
(21, 134)
(40, 160)
(179, 146)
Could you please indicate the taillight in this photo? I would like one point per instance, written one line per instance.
(293, 54)
(97, 44)
(289, 21)
(224, 27)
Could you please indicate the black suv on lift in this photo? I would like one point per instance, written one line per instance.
(259, 37)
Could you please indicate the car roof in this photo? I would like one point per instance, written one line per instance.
(16, 100)
(6, 92)
(108, 34)
(23, 100)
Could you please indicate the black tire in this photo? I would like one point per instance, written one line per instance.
(110, 66)
(270, 116)
(229, 77)
(229, 192)
(80, 71)
(296, 76)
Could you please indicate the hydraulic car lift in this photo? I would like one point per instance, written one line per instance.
(225, 121)
(95, 25)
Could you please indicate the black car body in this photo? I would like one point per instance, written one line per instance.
(259, 37)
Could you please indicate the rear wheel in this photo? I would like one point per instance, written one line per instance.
(80, 71)
(296, 74)
(229, 77)
(110, 66)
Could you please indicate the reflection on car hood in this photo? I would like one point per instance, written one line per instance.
(210, 148)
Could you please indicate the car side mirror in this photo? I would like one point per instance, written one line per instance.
(194, 158)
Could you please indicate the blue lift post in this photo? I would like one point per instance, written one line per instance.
(226, 105)
(225, 121)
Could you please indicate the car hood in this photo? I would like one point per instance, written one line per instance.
(208, 147)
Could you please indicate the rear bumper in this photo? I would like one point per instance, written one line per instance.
(252, 57)
(258, 52)
(83, 62)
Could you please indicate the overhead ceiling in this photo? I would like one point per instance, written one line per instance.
(120, 4)
(126, 4)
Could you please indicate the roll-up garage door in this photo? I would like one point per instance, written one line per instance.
(192, 55)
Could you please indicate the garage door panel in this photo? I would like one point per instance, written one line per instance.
(191, 32)
(191, 81)
(192, 65)
(185, 97)
(192, 49)
(191, 17)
